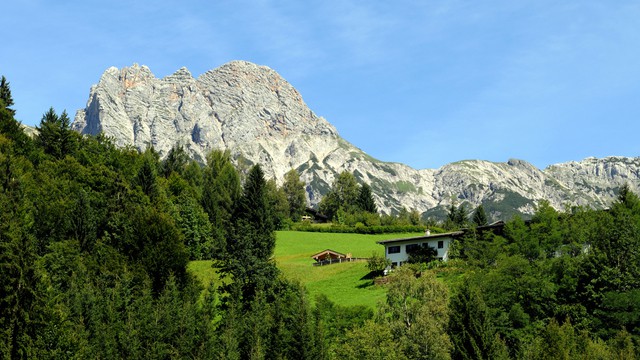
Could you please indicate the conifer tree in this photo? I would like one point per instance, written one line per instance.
(221, 191)
(9, 126)
(479, 216)
(365, 200)
(55, 135)
(250, 246)
(5, 96)
(175, 161)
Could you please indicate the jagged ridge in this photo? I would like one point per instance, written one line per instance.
(261, 118)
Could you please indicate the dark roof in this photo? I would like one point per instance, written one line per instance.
(423, 237)
(495, 225)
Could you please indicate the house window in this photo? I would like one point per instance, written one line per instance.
(440, 244)
(393, 250)
(412, 247)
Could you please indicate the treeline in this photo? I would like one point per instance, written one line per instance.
(564, 285)
(95, 241)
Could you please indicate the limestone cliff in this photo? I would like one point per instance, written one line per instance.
(261, 118)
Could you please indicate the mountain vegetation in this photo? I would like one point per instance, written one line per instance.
(95, 240)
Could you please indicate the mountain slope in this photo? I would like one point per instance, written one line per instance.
(261, 118)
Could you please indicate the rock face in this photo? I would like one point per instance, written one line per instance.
(257, 115)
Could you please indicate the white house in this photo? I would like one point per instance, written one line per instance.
(397, 250)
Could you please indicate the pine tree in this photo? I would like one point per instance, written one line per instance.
(221, 191)
(6, 100)
(55, 135)
(175, 161)
(250, 246)
(479, 216)
(365, 200)
(146, 178)
(470, 328)
(9, 126)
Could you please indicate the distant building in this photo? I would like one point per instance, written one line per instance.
(397, 250)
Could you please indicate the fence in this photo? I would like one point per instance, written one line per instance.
(337, 261)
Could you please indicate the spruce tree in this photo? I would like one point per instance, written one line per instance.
(9, 126)
(5, 96)
(175, 161)
(365, 200)
(221, 191)
(479, 216)
(55, 135)
(250, 246)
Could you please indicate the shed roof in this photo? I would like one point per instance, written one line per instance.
(328, 251)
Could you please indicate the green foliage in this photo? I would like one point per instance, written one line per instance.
(9, 126)
(417, 314)
(342, 196)
(95, 240)
(422, 254)
(294, 191)
(251, 245)
(220, 192)
(176, 161)
(479, 217)
(277, 202)
(365, 200)
(376, 263)
(471, 328)
(55, 136)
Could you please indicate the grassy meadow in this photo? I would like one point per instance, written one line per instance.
(345, 284)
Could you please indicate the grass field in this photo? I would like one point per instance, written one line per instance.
(345, 284)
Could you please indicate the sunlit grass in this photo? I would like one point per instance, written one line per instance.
(345, 284)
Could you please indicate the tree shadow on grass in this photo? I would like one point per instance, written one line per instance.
(370, 280)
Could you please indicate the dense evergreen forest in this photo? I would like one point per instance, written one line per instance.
(95, 240)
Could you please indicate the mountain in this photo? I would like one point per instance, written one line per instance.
(256, 114)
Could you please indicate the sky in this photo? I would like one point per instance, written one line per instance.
(423, 83)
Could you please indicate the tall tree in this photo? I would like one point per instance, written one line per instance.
(221, 191)
(365, 199)
(250, 246)
(417, 314)
(175, 161)
(55, 135)
(479, 216)
(470, 326)
(296, 196)
(342, 196)
(147, 176)
(277, 200)
(9, 126)
(5, 96)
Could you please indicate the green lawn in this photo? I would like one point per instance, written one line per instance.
(345, 284)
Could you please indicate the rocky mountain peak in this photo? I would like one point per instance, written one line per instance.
(261, 118)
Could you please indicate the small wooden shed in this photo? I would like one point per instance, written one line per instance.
(329, 254)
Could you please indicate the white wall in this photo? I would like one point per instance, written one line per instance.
(402, 256)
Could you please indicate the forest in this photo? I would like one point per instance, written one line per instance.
(95, 242)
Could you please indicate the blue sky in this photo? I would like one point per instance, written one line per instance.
(419, 82)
